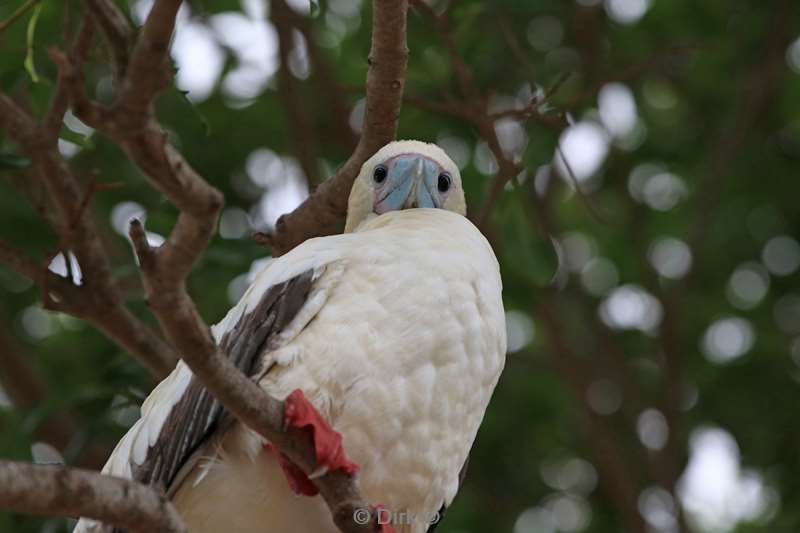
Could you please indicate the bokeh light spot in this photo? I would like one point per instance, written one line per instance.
(519, 330)
(599, 275)
(670, 257)
(781, 255)
(727, 339)
(234, 223)
(714, 489)
(626, 11)
(535, 520)
(657, 507)
(631, 307)
(604, 397)
(793, 56)
(651, 426)
(617, 109)
(747, 285)
(585, 147)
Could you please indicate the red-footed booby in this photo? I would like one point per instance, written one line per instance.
(394, 332)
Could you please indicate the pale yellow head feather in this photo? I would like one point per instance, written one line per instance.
(362, 195)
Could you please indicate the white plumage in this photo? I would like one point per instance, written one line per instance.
(399, 345)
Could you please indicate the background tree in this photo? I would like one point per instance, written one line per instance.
(631, 161)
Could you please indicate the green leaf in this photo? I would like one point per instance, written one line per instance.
(29, 66)
(84, 141)
(13, 161)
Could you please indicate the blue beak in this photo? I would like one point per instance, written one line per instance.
(411, 181)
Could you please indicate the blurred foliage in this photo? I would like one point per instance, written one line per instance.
(695, 70)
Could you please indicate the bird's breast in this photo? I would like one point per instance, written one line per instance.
(403, 359)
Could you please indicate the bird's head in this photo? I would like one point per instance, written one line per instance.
(403, 175)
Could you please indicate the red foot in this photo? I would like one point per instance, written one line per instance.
(298, 412)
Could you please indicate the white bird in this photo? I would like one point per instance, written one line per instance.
(394, 331)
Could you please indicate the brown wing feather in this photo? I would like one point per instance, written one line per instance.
(198, 414)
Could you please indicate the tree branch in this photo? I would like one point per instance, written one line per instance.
(149, 70)
(17, 261)
(58, 490)
(54, 119)
(21, 10)
(130, 123)
(116, 30)
(385, 80)
(97, 299)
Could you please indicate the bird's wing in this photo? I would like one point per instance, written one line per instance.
(180, 413)
(197, 413)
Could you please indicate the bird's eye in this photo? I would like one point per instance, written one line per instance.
(444, 182)
(379, 174)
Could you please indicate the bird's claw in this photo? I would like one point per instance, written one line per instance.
(298, 412)
(319, 472)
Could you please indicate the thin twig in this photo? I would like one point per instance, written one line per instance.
(301, 126)
(54, 118)
(576, 185)
(97, 299)
(116, 30)
(21, 10)
(463, 72)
